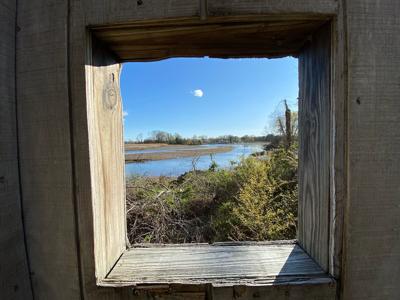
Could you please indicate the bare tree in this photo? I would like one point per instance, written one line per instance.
(288, 127)
(139, 138)
(284, 124)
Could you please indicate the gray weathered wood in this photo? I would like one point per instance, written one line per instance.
(60, 62)
(248, 7)
(45, 149)
(314, 148)
(371, 207)
(372, 219)
(123, 11)
(293, 292)
(78, 50)
(14, 275)
(220, 265)
(338, 174)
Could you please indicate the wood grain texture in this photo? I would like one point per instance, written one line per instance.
(338, 136)
(14, 273)
(122, 11)
(81, 72)
(371, 263)
(371, 230)
(106, 150)
(242, 7)
(266, 36)
(58, 43)
(283, 292)
(219, 265)
(314, 148)
(45, 149)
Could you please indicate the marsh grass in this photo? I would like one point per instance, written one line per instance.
(255, 199)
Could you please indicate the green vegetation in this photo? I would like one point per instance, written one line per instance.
(256, 199)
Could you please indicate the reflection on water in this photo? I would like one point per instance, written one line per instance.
(178, 166)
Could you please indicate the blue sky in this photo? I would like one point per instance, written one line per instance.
(204, 96)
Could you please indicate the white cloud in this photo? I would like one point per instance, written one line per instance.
(198, 93)
(124, 115)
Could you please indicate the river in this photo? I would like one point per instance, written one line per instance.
(178, 166)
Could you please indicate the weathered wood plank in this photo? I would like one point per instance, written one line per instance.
(314, 148)
(114, 12)
(242, 7)
(106, 150)
(218, 37)
(51, 67)
(372, 219)
(80, 67)
(338, 174)
(273, 292)
(14, 273)
(219, 265)
(122, 11)
(293, 292)
(45, 150)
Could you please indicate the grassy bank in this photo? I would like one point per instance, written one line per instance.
(176, 153)
(254, 200)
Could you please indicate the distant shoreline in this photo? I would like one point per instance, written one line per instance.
(143, 157)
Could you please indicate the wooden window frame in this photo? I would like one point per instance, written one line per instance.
(103, 106)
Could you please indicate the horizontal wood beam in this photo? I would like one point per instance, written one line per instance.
(122, 11)
(263, 36)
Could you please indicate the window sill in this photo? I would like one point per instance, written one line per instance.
(221, 264)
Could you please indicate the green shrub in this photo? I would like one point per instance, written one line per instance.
(256, 199)
(265, 205)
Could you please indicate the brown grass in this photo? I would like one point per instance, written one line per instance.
(140, 157)
(144, 146)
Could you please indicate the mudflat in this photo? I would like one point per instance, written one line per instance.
(177, 153)
(149, 146)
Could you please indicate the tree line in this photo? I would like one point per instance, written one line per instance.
(284, 132)
(159, 136)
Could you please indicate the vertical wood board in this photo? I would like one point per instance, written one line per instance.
(106, 150)
(314, 147)
(371, 263)
(45, 149)
(338, 136)
(14, 272)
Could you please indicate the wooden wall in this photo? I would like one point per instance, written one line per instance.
(45, 148)
(371, 258)
(14, 274)
(55, 175)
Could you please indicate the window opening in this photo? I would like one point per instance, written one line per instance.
(211, 149)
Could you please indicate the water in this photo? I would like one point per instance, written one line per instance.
(178, 166)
